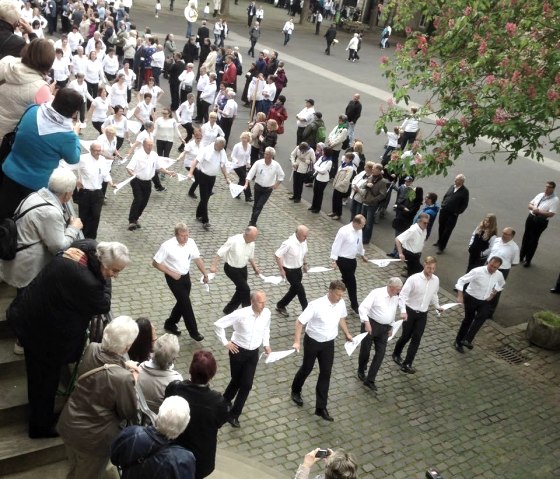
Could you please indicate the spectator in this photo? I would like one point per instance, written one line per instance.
(481, 241)
(143, 346)
(321, 169)
(339, 465)
(146, 452)
(10, 18)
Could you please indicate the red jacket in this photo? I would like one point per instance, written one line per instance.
(230, 74)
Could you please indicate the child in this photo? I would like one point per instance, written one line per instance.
(206, 10)
(158, 8)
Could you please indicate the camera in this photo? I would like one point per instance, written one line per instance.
(433, 474)
(322, 453)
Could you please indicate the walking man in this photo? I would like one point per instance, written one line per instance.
(254, 35)
(410, 244)
(484, 283)
(292, 263)
(454, 203)
(353, 112)
(173, 259)
(541, 208)
(321, 319)
(330, 36)
(377, 315)
(268, 175)
(237, 251)
(346, 246)
(288, 30)
(251, 328)
(419, 291)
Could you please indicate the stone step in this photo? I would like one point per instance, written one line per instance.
(7, 295)
(13, 399)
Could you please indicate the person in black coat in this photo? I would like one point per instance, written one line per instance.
(190, 51)
(202, 33)
(454, 203)
(209, 411)
(51, 315)
(330, 37)
(175, 70)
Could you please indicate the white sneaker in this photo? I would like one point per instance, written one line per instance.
(18, 349)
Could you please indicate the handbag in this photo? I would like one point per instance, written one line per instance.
(9, 138)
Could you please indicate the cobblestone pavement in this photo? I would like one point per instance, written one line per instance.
(471, 415)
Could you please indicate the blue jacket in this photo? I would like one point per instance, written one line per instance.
(34, 157)
(158, 458)
(432, 211)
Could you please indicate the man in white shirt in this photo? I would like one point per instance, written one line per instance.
(288, 29)
(346, 246)
(237, 251)
(228, 114)
(251, 328)
(409, 128)
(268, 175)
(173, 259)
(541, 208)
(143, 167)
(207, 96)
(321, 319)
(211, 160)
(410, 244)
(304, 118)
(377, 315)
(419, 291)
(484, 283)
(291, 261)
(93, 169)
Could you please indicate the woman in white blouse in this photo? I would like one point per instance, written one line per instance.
(93, 75)
(152, 88)
(189, 154)
(81, 87)
(60, 69)
(110, 65)
(241, 160)
(120, 123)
(129, 79)
(321, 169)
(99, 108)
(119, 91)
(185, 114)
(165, 129)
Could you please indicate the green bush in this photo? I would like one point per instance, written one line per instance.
(550, 318)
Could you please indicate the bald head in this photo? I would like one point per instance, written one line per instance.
(250, 234)
(302, 232)
(148, 145)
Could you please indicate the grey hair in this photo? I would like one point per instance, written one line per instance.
(395, 282)
(62, 180)
(341, 465)
(9, 11)
(220, 140)
(424, 216)
(148, 124)
(166, 349)
(270, 150)
(173, 417)
(119, 335)
(111, 253)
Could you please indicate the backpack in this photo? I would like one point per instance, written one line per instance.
(321, 134)
(8, 234)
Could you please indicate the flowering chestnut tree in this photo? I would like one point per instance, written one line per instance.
(492, 70)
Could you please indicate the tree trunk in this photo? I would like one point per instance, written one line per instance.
(225, 8)
(304, 11)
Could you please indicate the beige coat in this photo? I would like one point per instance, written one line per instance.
(301, 161)
(343, 178)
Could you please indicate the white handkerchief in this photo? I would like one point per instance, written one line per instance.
(133, 126)
(207, 287)
(318, 269)
(271, 279)
(277, 355)
(351, 346)
(449, 305)
(130, 113)
(235, 190)
(123, 161)
(382, 263)
(396, 326)
(211, 276)
(181, 177)
(83, 125)
(164, 162)
(123, 183)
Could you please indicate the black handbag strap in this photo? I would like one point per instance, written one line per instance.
(18, 216)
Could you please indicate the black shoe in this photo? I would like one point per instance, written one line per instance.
(296, 397)
(459, 348)
(391, 255)
(310, 208)
(323, 413)
(283, 312)
(199, 219)
(198, 337)
(397, 359)
(407, 368)
(172, 329)
(527, 264)
(467, 344)
(370, 385)
(356, 310)
(292, 198)
(439, 251)
(163, 188)
(192, 195)
(43, 433)
(234, 422)
(361, 375)
(555, 291)
(249, 200)
(315, 211)
(132, 226)
(436, 244)
(206, 226)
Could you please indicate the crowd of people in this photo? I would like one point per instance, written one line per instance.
(104, 71)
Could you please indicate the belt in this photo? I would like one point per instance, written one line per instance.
(381, 324)
(416, 311)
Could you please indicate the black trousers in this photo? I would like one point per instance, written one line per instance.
(496, 299)
(347, 269)
(163, 148)
(407, 137)
(476, 312)
(243, 366)
(120, 141)
(199, 107)
(242, 295)
(241, 173)
(181, 289)
(412, 330)
(90, 203)
(204, 105)
(299, 180)
(337, 198)
(254, 154)
(206, 184)
(318, 191)
(141, 191)
(294, 277)
(447, 222)
(324, 354)
(299, 134)
(92, 90)
(252, 49)
(534, 228)
(378, 337)
(226, 124)
(261, 197)
(412, 262)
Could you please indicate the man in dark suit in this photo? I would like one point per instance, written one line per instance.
(454, 203)
(202, 33)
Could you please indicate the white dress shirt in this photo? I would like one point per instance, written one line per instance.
(192, 149)
(94, 71)
(165, 129)
(347, 243)
(129, 77)
(507, 252)
(292, 251)
(158, 59)
(266, 175)
(481, 283)
(177, 257)
(79, 64)
(118, 95)
(209, 92)
(410, 125)
(120, 126)
(305, 116)
(185, 112)
(144, 166)
(186, 78)
(107, 146)
(239, 156)
(236, 252)
(81, 89)
(379, 306)
(60, 69)
(210, 160)
(413, 238)
(419, 292)
(321, 319)
(111, 64)
(230, 109)
(92, 173)
(100, 108)
(546, 203)
(144, 111)
(250, 330)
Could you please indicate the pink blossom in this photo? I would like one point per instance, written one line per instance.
(482, 47)
(384, 59)
(391, 101)
(547, 10)
(441, 121)
(500, 116)
(467, 11)
(399, 47)
(552, 94)
(490, 79)
(532, 92)
(516, 76)
(408, 30)
(394, 157)
(433, 64)
(436, 77)
(511, 28)
(557, 79)
(464, 122)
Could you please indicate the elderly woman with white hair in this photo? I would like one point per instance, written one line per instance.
(147, 452)
(103, 397)
(158, 372)
(50, 318)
